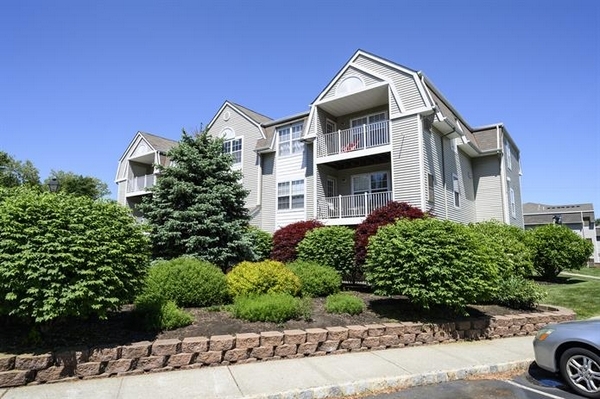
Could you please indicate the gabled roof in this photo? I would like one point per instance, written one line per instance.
(257, 117)
(531, 207)
(269, 128)
(252, 116)
(159, 143)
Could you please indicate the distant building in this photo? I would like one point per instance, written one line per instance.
(378, 132)
(578, 217)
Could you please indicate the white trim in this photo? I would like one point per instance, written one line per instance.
(423, 183)
(385, 79)
(227, 103)
(456, 190)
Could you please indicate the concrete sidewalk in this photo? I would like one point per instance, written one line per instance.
(310, 377)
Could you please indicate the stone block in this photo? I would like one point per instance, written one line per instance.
(337, 333)
(412, 327)
(221, 343)
(370, 342)
(286, 350)
(529, 328)
(118, 366)
(424, 337)
(15, 378)
(357, 331)
(307, 348)
(393, 328)
(480, 324)
(166, 347)
(7, 362)
(315, 335)
(375, 330)
(210, 357)
(351, 343)
(271, 338)
(294, 337)
(463, 325)
(263, 352)
(70, 357)
(148, 363)
(136, 350)
(408, 338)
(53, 373)
(88, 369)
(389, 341)
(194, 345)
(473, 334)
(247, 341)
(181, 359)
(235, 355)
(102, 354)
(34, 362)
(328, 346)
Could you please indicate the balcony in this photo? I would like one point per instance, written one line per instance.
(140, 183)
(351, 206)
(354, 139)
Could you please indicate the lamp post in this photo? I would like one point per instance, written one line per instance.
(53, 185)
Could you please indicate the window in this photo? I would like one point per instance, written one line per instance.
(234, 147)
(290, 195)
(289, 139)
(331, 186)
(456, 189)
(513, 204)
(370, 183)
(430, 188)
(330, 126)
(508, 155)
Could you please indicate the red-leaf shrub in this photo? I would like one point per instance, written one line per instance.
(286, 239)
(380, 217)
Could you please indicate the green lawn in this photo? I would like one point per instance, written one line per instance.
(583, 296)
(588, 271)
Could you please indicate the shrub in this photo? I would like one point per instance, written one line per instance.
(507, 245)
(330, 246)
(381, 217)
(555, 248)
(344, 303)
(432, 262)
(286, 239)
(266, 277)
(518, 293)
(261, 243)
(158, 314)
(187, 281)
(274, 307)
(62, 256)
(315, 279)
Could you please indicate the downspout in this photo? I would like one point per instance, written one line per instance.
(260, 180)
(504, 194)
(422, 165)
(444, 178)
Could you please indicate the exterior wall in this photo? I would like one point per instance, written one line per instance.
(250, 134)
(514, 174)
(292, 167)
(488, 188)
(269, 193)
(367, 79)
(404, 83)
(432, 163)
(406, 173)
(457, 163)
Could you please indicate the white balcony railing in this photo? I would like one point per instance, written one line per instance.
(349, 206)
(140, 183)
(354, 139)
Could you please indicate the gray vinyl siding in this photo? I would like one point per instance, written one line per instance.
(269, 193)
(515, 182)
(250, 135)
(404, 83)
(460, 165)
(432, 149)
(406, 175)
(487, 180)
(367, 79)
(394, 107)
(309, 182)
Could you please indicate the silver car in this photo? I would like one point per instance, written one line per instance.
(573, 349)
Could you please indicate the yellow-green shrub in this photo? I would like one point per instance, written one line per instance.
(264, 277)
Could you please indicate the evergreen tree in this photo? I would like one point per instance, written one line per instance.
(197, 206)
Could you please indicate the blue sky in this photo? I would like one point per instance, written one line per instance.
(78, 79)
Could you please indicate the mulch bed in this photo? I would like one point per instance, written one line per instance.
(120, 327)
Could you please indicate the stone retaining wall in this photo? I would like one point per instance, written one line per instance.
(170, 354)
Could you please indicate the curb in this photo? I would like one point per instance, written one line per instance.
(376, 385)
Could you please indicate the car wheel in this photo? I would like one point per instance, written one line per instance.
(581, 369)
